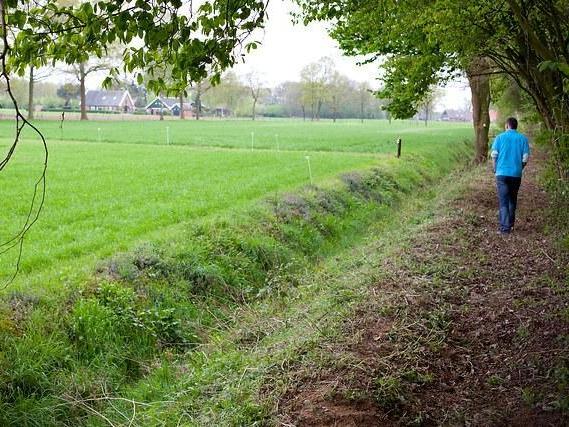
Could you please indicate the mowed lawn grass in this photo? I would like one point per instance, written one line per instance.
(374, 136)
(103, 198)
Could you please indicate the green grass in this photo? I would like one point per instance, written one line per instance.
(101, 198)
(189, 239)
(377, 136)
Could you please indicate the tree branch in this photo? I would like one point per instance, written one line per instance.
(40, 185)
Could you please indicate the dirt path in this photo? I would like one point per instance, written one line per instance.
(465, 327)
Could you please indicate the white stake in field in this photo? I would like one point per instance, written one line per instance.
(309, 169)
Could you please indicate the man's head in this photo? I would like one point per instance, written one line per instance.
(511, 123)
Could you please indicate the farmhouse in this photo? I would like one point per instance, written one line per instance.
(109, 100)
(171, 105)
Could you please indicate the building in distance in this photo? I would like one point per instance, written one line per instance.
(118, 101)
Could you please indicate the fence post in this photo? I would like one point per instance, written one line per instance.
(398, 147)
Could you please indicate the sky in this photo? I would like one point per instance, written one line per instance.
(287, 48)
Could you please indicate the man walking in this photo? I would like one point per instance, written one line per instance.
(510, 153)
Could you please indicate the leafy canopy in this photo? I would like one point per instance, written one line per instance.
(194, 42)
(427, 42)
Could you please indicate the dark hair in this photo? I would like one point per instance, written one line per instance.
(512, 123)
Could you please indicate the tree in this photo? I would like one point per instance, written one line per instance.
(80, 72)
(34, 76)
(429, 43)
(427, 105)
(510, 100)
(198, 90)
(68, 91)
(289, 95)
(255, 86)
(188, 38)
(315, 78)
(228, 94)
(363, 92)
(338, 87)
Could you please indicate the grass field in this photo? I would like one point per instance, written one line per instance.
(348, 135)
(102, 197)
(183, 235)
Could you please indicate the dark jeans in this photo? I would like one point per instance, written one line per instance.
(508, 187)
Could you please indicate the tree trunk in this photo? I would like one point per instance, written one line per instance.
(31, 94)
(82, 76)
(362, 111)
(312, 111)
(334, 108)
(318, 108)
(182, 106)
(480, 89)
(426, 115)
(303, 114)
(254, 107)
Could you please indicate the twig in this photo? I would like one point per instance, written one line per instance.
(18, 239)
(551, 259)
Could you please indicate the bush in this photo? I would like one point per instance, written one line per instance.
(556, 181)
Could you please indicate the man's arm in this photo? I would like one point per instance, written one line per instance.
(525, 156)
(494, 154)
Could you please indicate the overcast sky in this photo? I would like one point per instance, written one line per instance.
(287, 48)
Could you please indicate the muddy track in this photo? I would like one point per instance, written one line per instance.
(465, 327)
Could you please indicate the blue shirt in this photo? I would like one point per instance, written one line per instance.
(510, 149)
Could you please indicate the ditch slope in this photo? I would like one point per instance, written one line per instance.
(463, 327)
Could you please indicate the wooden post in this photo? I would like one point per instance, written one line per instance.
(398, 147)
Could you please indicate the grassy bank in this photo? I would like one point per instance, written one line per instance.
(170, 330)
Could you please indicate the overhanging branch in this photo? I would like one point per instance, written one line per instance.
(38, 197)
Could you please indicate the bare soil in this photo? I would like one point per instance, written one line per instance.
(465, 327)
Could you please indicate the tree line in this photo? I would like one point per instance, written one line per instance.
(319, 92)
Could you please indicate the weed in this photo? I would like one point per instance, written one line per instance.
(522, 333)
(389, 392)
(495, 380)
(416, 377)
(290, 207)
(530, 396)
